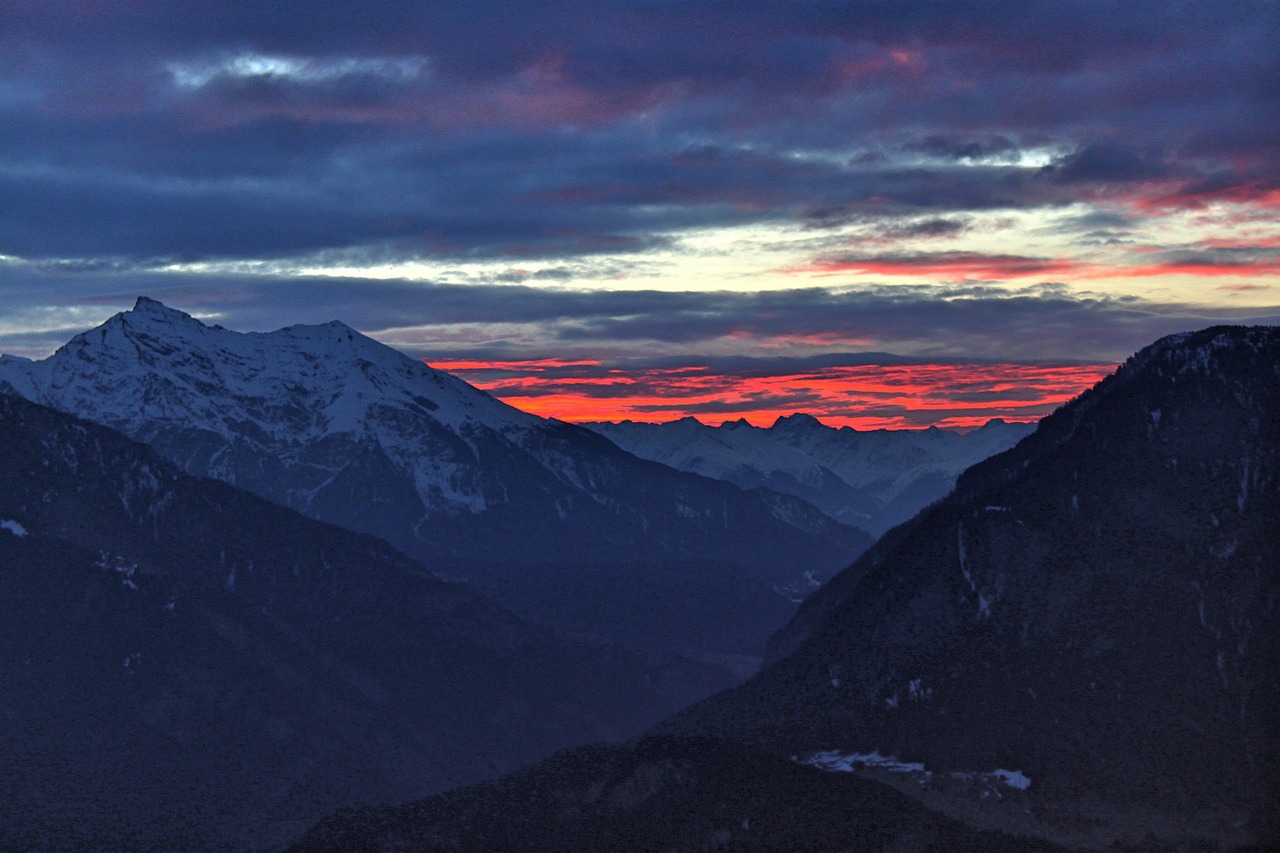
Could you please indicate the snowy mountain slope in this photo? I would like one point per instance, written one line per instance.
(154, 370)
(873, 480)
(346, 430)
(1094, 610)
(189, 667)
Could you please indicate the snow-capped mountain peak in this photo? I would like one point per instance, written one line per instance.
(161, 366)
(873, 479)
(798, 421)
(348, 430)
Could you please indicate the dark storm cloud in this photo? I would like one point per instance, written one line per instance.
(150, 129)
(956, 147)
(1107, 163)
(929, 228)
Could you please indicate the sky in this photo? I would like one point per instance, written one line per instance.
(886, 214)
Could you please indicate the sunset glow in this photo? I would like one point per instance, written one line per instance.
(863, 397)
(728, 210)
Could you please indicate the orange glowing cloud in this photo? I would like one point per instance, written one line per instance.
(861, 396)
(949, 264)
(963, 265)
(1271, 241)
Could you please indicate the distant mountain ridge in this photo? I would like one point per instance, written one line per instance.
(189, 667)
(871, 479)
(349, 431)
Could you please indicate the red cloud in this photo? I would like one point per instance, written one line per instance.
(864, 397)
(1268, 242)
(949, 264)
(983, 266)
(1205, 268)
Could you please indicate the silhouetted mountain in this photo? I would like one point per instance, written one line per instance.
(664, 794)
(1096, 611)
(872, 479)
(1080, 644)
(346, 430)
(186, 666)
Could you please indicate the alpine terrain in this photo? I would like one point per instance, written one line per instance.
(189, 667)
(1079, 646)
(553, 519)
(1095, 612)
(872, 479)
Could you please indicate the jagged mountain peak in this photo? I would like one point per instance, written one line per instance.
(148, 313)
(150, 317)
(873, 479)
(340, 427)
(161, 365)
(798, 420)
(145, 305)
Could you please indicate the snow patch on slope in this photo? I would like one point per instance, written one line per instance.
(13, 527)
(850, 762)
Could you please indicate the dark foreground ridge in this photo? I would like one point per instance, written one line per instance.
(1081, 644)
(188, 667)
(662, 794)
(1097, 608)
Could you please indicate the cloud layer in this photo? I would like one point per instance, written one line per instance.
(150, 129)
(881, 393)
(636, 180)
(872, 356)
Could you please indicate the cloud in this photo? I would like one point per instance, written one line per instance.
(1109, 163)
(974, 167)
(947, 265)
(951, 146)
(880, 393)
(266, 130)
(971, 320)
(303, 70)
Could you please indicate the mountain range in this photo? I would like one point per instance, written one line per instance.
(872, 479)
(1077, 648)
(1096, 609)
(555, 521)
(187, 666)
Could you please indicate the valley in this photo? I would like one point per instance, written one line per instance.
(1073, 648)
